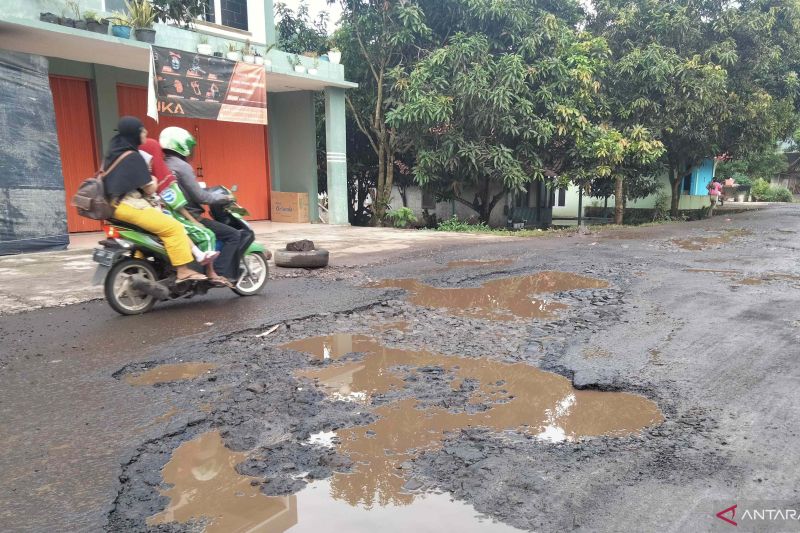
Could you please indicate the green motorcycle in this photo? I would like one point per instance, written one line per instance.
(136, 273)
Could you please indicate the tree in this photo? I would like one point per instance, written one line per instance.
(180, 11)
(511, 97)
(297, 33)
(705, 76)
(375, 36)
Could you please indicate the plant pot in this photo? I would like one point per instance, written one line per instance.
(325, 58)
(234, 56)
(52, 18)
(335, 57)
(259, 60)
(205, 49)
(68, 22)
(123, 32)
(218, 54)
(249, 59)
(97, 27)
(81, 25)
(146, 35)
(300, 69)
(267, 62)
(313, 71)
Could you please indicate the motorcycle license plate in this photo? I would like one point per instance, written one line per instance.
(105, 257)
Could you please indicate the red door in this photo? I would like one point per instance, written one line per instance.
(72, 99)
(228, 153)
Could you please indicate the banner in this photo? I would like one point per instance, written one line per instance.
(193, 85)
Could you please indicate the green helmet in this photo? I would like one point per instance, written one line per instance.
(178, 140)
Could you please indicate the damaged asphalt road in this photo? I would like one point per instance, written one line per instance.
(680, 340)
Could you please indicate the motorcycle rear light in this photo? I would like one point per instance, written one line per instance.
(111, 232)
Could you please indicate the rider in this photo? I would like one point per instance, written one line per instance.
(126, 184)
(178, 145)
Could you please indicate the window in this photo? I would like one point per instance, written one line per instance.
(230, 13)
(428, 200)
(562, 197)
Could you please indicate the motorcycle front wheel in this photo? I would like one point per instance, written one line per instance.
(255, 276)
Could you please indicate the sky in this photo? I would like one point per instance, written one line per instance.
(315, 7)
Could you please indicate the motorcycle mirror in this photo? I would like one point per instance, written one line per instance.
(202, 184)
(234, 188)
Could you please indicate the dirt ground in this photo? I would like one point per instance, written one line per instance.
(635, 379)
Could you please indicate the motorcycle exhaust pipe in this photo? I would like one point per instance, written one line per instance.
(149, 287)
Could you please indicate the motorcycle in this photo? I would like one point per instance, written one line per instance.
(136, 273)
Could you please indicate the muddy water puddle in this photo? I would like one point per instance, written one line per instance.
(501, 299)
(205, 487)
(494, 395)
(701, 243)
(170, 372)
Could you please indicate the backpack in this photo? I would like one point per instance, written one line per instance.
(91, 200)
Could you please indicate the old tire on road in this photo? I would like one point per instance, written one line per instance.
(311, 259)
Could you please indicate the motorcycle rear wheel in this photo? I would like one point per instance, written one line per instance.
(120, 295)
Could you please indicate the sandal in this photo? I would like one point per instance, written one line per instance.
(192, 277)
(220, 281)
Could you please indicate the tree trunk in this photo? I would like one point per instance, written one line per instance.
(619, 200)
(675, 181)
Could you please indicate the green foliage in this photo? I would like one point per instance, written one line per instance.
(510, 95)
(455, 225)
(297, 32)
(182, 12)
(762, 191)
(402, 217)
(765, 164)
(141, 13)
(705, 77)
(661, 208)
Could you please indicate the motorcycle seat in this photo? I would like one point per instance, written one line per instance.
(128, 225)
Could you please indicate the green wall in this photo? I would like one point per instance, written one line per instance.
(292, 145)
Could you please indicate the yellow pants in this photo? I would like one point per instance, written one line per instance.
(169, 230)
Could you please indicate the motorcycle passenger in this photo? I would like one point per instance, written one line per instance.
(178, 145)
(129, 183)
(171, 200)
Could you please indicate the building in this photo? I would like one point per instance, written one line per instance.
(789, 178)
(96, 78)
(694, 195)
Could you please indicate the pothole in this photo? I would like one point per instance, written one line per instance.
(701, 243)
(501, 299)
(207, 489)
(170, 372)
(500, 396)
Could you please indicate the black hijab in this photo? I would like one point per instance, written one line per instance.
(132, 172)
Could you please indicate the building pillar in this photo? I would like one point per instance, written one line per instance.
(336, 146)
(105, 82)
(269, 22)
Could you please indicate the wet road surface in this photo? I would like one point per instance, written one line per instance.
(697, 323)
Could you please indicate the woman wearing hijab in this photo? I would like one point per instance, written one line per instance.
(125, 185)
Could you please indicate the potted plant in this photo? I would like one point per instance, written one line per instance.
(120, 25)
(52, 18)
(72, 8)
(94, 23)
(266, 61)
(142, 16)
(233, 52)
(203, 47)
(335, 55)
(259, 59)
(315, 67)
(294, 62)
(247, 53)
